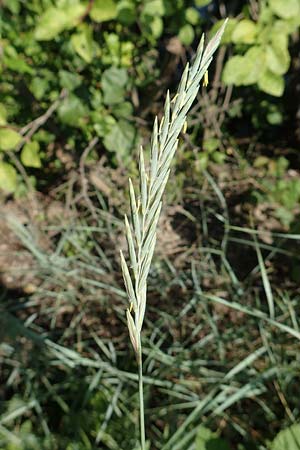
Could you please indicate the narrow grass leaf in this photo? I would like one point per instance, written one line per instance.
(254, 313)
(265, 279)
(245, 362)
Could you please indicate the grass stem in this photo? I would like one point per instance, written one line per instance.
(141, 399)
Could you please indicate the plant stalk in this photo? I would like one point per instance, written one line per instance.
(141, 397)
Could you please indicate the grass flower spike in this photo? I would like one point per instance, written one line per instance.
(145, 205)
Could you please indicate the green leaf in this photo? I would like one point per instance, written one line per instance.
(265, 14)
(9, 139)
(293, 23)
(120, 139)
(104, 10)
(152, 23)
(69, 80)
(30, 155)
(156, 26)
(186, 34)
(234, 71)
(151, 18)
(283, 27)
(274, 115)
(3, 114)
(123, 110)
(83, 43)
(13, 5)
(254, 61)
(154, 8)
(113, 83)
(278, 57)
(192, 16)
(38, 87)
(285, 8)
(245, 70)
(126, 12)
(127, 52)
(55, 20)
(18, 65)
(245, 32)
(288, 439)
(218, 157)
(211, 144)
(8, 177)
(274, 118)
(261, 161)
(103, 123)
(52, 22)
(202, 161)
(14, 61)
(271, 83)
(282, 165)
(71, 111)
(201, 3)
(207, 440)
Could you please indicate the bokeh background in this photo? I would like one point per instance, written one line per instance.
(81, 83)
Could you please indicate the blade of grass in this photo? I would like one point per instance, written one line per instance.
(254, 313)
(265, 279)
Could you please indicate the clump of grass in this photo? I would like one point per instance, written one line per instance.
(145, 205)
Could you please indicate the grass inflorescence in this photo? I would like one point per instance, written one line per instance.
(146, 205)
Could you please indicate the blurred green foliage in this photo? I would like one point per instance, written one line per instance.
(262, 46)
(278, 190)
(289, 439)
(95, 56)
(98, 53)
